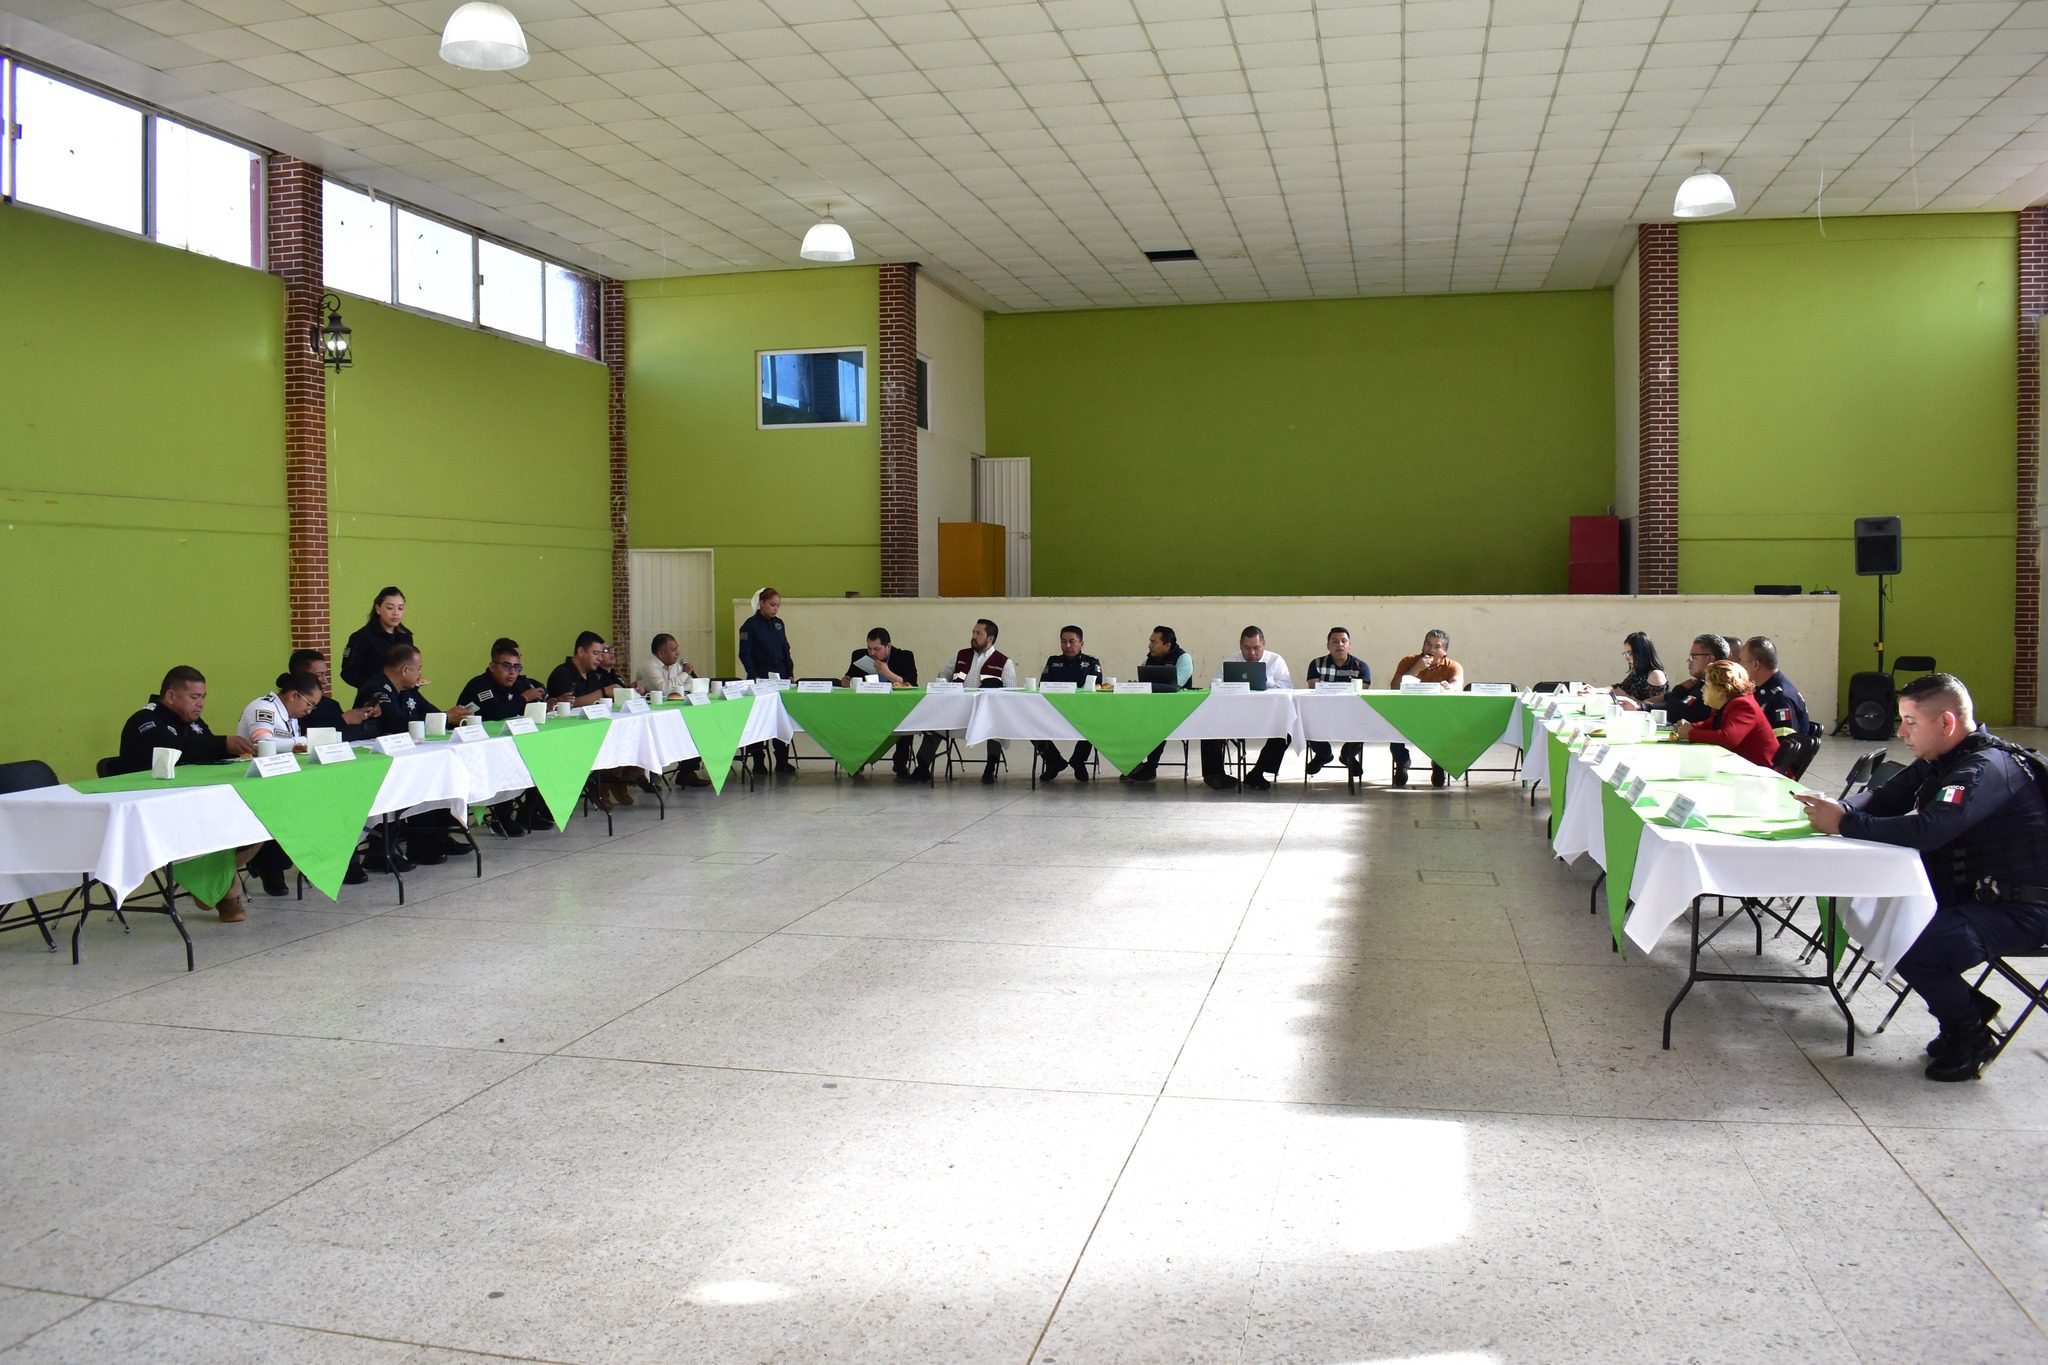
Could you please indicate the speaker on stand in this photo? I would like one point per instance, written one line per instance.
(1873, 703)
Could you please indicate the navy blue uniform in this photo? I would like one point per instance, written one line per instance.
(1060, 669)
(1783, 707)
(362, 658)
(764, 647)
(1685, 701)
(155, 728)
(1979, 818)
(573, 684)
(401, 706)
(327, 715)
(494, 702)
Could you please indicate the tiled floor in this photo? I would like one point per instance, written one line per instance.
(844, 1071)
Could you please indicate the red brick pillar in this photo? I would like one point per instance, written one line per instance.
(1657, 399)
(2026, 616)
(612, 345)
(293, 252)
(899, 430)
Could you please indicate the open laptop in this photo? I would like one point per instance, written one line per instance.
(1163, 677)
(1238, 670)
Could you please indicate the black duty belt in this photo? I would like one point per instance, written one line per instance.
(1992, 891)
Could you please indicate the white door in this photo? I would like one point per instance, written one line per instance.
(1002, 497)
(672, 592)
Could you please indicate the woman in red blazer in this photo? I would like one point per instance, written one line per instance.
(1738, 723)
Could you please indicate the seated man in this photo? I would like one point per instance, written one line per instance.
(1162, 650)
(1433, 665)
(327, 713)
(501, 692)
(980, 664)
(1783, 707)
(1976, 807)
(1339, 668)
(583, 679)
(171, 720)
(1251, 647)
(395, 692)
(896, 667)
(1686, 699)
(1069, 665)
(666, 673)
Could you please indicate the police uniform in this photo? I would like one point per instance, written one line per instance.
(572, 682)
(1060, 669)
(1783, 707)
(153, 727)
(495, 702)
(764, 647)
(1979, 817)
(1686, 701)
(1323, 670)
(401, 706)
(327, 714)
(362, 658)
(903, 664)
(266, 718)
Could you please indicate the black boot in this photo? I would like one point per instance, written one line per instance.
(1987, 1010)
(1963, 1058)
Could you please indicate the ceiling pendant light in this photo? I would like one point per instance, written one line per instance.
(827, 241)
(483, 37)
(1704, 194)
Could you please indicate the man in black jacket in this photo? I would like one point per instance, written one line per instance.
(1975, 807)
(896, 667)
(1069, 665)
(171, 720)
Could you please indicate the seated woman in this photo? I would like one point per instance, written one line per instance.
(1737, 723)
(1645, 671)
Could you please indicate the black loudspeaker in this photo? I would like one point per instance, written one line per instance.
(1878, 549)
(1871, 705)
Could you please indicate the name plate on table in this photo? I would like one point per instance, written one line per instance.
(1417, 685)
(1492, 689)
(333, 753)
(470, 734)
(1620, 774)
(394, 744)
(771, 685)
(939, 689)
(1221, 689)
(1549, 709)
(1059, 687)
(874, 685)
(520, 725)
(1596, 754)
(737, 689)
(597, 712)
(1349, 687)
(1145, 688)
(705, 698)
(1683, 809)
(271, 765)
(818, 685)
(634, 705)
(1636, 789)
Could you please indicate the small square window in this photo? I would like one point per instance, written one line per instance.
(509, 290)
(436, 267)
(209, 195)
(357, 246)
(77, 153)
(814, 388)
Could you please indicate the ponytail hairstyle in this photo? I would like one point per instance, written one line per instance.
(305, 684)
(382, 595)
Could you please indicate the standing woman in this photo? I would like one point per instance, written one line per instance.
(362, 660)
(1645, 670)
(764, 649)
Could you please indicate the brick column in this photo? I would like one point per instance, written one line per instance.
(1657, 399)
(898, 361)
(612, 346)
(2026, 616)
(293, 252)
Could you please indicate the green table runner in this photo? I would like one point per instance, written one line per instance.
(317, 817)
(1621, 831)
(1125, 728)
(1451, 731)
(715, 728)
(1560, 759)
(854, 727)
(1528, 725)
(558, 757)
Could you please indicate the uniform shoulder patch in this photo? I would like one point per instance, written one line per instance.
(1951, 796)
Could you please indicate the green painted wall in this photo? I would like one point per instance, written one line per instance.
(142, 517)
(473, 472)
(798, 509)
(1396, 446)
(1865, 371)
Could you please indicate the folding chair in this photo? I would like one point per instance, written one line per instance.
(31, 774)
(2035, 991)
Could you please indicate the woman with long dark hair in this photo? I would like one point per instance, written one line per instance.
(1645, 678)
(362, 659)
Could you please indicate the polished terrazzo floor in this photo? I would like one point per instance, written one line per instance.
(844, 1071)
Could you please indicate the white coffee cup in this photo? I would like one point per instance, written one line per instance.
(265, 748)
(163, 763)
(472, 719)
(417, 729)
(562, 708)
(1031, 684)
(1657, 719)
(437, 723)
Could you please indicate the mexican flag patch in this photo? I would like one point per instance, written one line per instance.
(1950, 796)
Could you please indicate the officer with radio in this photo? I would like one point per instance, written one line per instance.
(1070, 665)
(1976, 808)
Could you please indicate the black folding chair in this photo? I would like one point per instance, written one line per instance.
(27, 775)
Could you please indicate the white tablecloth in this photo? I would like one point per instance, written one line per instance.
(1231, 715)
(1341, 717)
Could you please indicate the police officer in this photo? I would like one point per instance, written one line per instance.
(1783, 707)
(582, 679)
(171, 720)
(764, 649)
(1687, 699)
(327, 712)
(1069, 665)
(396, 693)
(1976, 807)
(363, 657)
(896, 667)
(501, 692)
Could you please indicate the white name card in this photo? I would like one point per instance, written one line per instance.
(597, 712)
(701, 698)
(470, 734)
(1620, 773)
(873, 685)
(771, 685)
(536, 712)
(814, 685)
(272, 765)
(1492, 689)
(1418, 685)
(394, 744)
(1348, 686)
(1059, 687)
(1596, 754)
(1636, 789)
(322, 734)
(1219, 687)
(942, 688)
(1682, 810)
(334, 753)
(1128, 688)
(738, 689)
(521, 725)
(632, 704)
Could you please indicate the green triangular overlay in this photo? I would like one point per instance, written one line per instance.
(1832, 931)
(317, 817)
(1453, 733)
(558, 757)
(1125, 728)
(715, 728)
(853, 727)
(1528, 726)
(208, 876)
(1621, 830)
(1560, 762)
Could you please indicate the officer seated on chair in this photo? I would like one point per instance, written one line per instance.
(171, 720)
(395, 692)
(1976, 807)
(896, 667)
(501, 692)
(1783, 707)
(1069, 665)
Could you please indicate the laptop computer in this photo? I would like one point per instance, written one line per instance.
(1163, 677)
(1238, 670)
